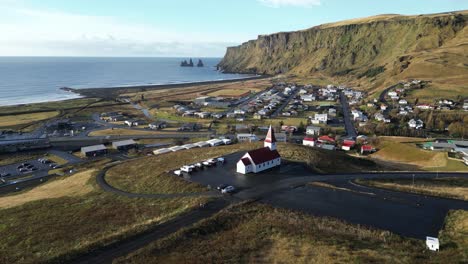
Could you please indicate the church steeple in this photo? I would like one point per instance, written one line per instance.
(270, 140)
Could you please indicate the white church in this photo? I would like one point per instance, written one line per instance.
(260, 159)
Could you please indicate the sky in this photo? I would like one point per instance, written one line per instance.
(175, 28)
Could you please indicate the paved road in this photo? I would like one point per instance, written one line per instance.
(349, 126)
(278, 111)
(385, 92)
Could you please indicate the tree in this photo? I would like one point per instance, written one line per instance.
(456, 129)
(301, 127)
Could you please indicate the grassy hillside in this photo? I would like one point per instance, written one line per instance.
(371, 52)
(254, 233)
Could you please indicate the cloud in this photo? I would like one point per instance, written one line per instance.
(32, 32)
(297, 3)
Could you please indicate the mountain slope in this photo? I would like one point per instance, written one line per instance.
(371, 52)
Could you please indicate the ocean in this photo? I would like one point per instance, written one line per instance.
(39, 79)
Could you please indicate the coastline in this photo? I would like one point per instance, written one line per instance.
(112, 92)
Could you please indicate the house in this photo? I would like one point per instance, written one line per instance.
(326, 139)
(239, 112)
(247, 138)
(379, 117)
(124, 144)
(308, 141)
(258, 160)
(281, 137)
(215, 142)
(416, 124)
(383, 107)
(202, 144)
(116, 118)
(465, 105)
(348, 144)
(367, 149)
(93, 151)
(392, 94)
(218, 116)
(424, 107)
(320, 119)
(176, 148)
(403, 102)
(203, 114)
(332, 111)
(189, 146)
(158, 125)
(161, 151)
(257, 116)
(132, 123)
(308, 98)
(313, 130)
(289, 129)
(432, 243)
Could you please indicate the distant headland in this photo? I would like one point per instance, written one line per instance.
(191, 64)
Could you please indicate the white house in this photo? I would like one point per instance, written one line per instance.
(247, 138)
(308, 141)
(313, 130)
(403, 102)
(320, 119)
(392, 94)
(308, 98)
(416, 124)
(432, 243)
(260, 159)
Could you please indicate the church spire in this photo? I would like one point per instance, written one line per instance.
(270, 140)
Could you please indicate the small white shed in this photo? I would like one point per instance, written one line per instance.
(432, 243)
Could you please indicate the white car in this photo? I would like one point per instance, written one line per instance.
(186, 169)
(221, 159)
(206, 163)
(228, 189)
(177, 172)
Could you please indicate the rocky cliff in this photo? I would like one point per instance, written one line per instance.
(362, 48)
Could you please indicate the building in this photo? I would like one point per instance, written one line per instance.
(176, 148)
(320, 119)
(215, 142)
(124, 144)
(158, 125)
(416, 124)
(308, 141)
(348, 144)
(202, 144)
(432, 243)
(93, 151)
(326, 139)
(261, 159)
(162, 151)
(367, 149)
(313, 130)
(308, 98)
(247, 138)
(281, 137)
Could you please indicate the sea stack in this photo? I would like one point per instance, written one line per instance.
(186, 64)
(200, 63)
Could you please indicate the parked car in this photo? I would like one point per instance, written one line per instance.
(229, 189)
(221, 160)
(178, 172)
(206, 163)
(186, 169)
(221, 187)
(23, 170)
(33, 169)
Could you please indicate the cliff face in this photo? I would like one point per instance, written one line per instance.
(364, 47)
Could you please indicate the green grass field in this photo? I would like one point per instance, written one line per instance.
(47, 229)
(456, 188)
(255, 233)
(22, 119)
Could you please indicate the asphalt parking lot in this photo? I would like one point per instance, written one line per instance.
(12, 169)
(226, 174)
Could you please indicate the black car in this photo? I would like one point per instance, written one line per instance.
(221, 187)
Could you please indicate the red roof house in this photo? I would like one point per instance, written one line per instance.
(326, 139)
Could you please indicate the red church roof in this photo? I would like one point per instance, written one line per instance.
(270, 137)
(246, 161)
(263, 155)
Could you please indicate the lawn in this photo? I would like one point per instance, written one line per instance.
(70, 216)
(256, 233)
(456, 188)
(129, 132)
(409, 153)
(51, 106)
(22, 119)
(233, 92)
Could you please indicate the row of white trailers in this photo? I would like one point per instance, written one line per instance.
(201, 144)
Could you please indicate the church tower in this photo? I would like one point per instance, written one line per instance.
(270, 140)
